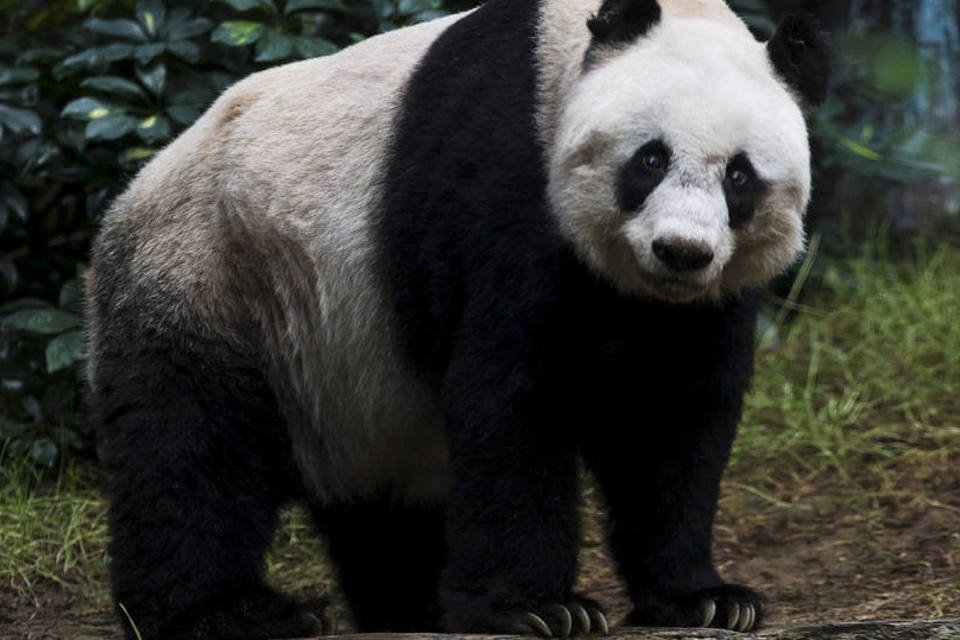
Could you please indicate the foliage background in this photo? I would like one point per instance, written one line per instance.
(90, 89)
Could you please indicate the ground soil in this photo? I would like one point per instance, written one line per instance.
(897, 560)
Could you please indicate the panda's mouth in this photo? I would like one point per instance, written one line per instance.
(673, 289)
(648, 281)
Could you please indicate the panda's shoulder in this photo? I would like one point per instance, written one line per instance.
(374, 67)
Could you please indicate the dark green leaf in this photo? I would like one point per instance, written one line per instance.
(97, 56)
(4, 216)
(41, 54)
(13, 199)
(9, 272)
(274, 45)
(19, 120)
(18, 75)
(24, 303)
(151, 15)
(120, 28)
(17, 448)
(300, 5)
(110, 127)
(153, 128)
(184, 113)
(147, 52)
(113, 84)
(314, 47)
(154, 78)
(64, 350)
(237, 32)
(69, 295)
(185, 50)
(184, 29)
(35, 154)
(410, 7)
(32, 406)
(426, 16)
(44, 452)
(137, 154)
(246, 5)
(186, 106)
(87, 108)
(48, 321)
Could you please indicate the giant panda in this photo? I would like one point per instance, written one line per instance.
(415, 283)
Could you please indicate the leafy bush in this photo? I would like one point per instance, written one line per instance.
(877, 160)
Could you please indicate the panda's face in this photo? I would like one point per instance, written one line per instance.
(680, 168)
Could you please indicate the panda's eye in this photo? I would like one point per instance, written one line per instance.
(740, 173)
(655, 160)
(743, 189)
(640, 175)
(739, 178)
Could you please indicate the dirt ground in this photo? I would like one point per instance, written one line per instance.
(899, 560)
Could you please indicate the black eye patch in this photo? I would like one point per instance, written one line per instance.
(742, 188)
(641, 175)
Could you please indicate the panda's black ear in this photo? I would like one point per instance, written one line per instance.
(800, 55)
(622, 21)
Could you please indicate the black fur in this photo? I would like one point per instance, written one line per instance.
(192, 438)
(537, 360)
(463, 191)
(389, 559)
(742, 199)
(800, 55)
(620, 22)
(666, 386)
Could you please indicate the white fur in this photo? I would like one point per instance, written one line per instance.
(700, 82)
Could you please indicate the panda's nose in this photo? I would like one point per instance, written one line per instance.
(682, 255)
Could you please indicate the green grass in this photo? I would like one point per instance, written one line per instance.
(856, 399)
(865, 382)
(52, 526)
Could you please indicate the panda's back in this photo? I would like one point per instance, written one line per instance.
(259, 220)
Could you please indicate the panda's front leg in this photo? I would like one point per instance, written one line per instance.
(512, 524)
(660, 477)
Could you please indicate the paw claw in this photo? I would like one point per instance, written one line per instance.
(329, 622)
(600, 621)
(747, 618)
(566, 620)
(536, 624)
(583, 618)
(709, 607)
(733, 616)
(314, 623)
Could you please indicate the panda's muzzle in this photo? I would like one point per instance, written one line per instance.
(681, 255)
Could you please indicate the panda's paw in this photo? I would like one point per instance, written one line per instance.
(263, 616)
(576, 617)
(727, 606)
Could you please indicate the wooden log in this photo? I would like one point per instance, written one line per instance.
(946, 629)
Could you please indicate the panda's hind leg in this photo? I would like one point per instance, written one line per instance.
(195, 448)
(389, 557)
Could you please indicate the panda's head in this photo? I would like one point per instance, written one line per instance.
(680, 165)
